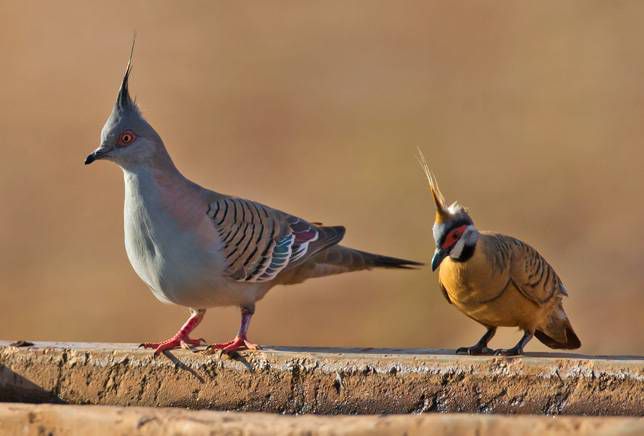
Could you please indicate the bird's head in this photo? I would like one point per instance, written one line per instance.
(127, 139)
(454, 232)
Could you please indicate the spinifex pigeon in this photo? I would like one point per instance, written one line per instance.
(496, 280)
(198, 248)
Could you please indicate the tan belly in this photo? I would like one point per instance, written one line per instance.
(485, 295)
(509, 310)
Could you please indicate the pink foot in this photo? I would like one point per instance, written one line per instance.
(236, 344)
(177, 341)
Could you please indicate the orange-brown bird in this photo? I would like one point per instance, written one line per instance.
(496, 280)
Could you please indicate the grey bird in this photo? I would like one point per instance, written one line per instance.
(198, 248)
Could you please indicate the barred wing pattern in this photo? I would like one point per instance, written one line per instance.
(531, 274)
(260, 242)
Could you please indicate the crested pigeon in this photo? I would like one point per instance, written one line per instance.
(496, 280)
(198, 248)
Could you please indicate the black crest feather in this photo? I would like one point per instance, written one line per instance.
(123, 100)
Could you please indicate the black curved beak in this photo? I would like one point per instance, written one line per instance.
(97, 154)
(439, 255)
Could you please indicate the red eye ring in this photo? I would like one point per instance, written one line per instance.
(453, 236)
(126, 138)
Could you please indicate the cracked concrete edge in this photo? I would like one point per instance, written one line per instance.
(108, 420)
(323, 381)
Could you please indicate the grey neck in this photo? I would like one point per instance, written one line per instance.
(159, 159)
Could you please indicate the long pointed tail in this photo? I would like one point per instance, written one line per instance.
(338, 259)
(364, 260)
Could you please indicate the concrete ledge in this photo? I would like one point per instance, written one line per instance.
(323, 381)
(109, 420)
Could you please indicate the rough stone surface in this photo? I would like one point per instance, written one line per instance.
(109, 420)
(323, 381)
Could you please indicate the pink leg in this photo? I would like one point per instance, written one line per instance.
(241, 341)
(181, 339)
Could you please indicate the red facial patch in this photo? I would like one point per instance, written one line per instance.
(453, 236)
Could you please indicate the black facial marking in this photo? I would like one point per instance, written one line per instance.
(466, 253)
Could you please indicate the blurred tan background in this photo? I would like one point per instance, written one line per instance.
(529, 112)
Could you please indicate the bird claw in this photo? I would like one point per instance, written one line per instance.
(190, 344)
(508, 352)
(195, 342)
(176, 341)
(475, 350)
(236, 344)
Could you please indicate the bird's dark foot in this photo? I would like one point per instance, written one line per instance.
(177, 341)
(514, 351)
(237, 344)
(475, 350)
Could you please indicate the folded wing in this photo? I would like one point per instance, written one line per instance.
(532, 274)
(259, 242)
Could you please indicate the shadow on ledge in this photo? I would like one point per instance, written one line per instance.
(16, 388)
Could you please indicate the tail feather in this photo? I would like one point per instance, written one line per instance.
(571, 339)
(338, 259)
(372, 260)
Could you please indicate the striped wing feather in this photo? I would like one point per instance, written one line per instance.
(529, 271)
(260, 242)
